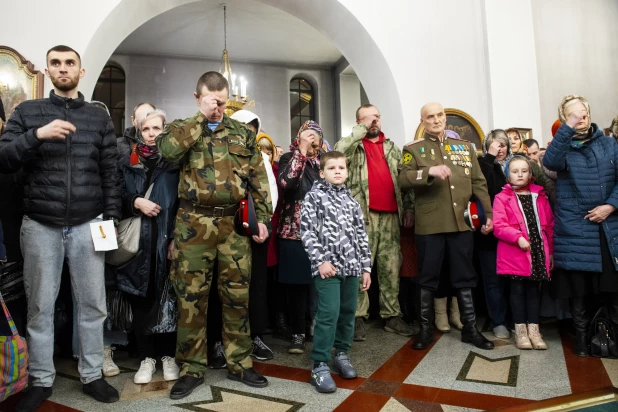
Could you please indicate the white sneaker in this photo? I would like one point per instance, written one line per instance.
(109, 367)
(171, 372)
(145, 372)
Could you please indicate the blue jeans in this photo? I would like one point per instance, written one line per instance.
(45, 248)
(494, 285)
(110, 337)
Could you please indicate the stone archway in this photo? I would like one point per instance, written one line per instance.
(329, 17)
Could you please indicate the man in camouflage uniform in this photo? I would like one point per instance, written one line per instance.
(373, 162)
(444, 173)
(213, 151)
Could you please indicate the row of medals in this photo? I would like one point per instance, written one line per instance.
(456, 153)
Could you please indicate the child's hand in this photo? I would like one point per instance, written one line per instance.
(551, 262)
(327, 270)
(366, 279)
(523, 243)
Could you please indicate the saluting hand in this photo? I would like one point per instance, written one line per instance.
(441, 172)
(576, 117)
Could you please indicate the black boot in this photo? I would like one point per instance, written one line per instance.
(425, 335)
(580, 321)
(469, 332)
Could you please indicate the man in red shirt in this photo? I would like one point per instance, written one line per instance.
(373, 162)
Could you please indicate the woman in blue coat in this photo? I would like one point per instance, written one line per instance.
(586, 227)
(145, 277)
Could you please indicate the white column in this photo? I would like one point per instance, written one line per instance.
(511, 58)
(349, 92)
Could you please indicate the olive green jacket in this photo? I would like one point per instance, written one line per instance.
(440, 204)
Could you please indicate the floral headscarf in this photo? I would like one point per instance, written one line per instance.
(568, 101)
(309, 125)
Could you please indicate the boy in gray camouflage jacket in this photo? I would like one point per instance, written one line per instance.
(333, 233)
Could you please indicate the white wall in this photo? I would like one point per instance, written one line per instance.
(169, 83)
(435, 52)
(350, 101)
(577, 53)
(405, 52)
(511, 59)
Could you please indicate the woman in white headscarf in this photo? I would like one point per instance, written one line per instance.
(258, 288)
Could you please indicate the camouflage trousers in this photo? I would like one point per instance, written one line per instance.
(199, 241)
(384, 236)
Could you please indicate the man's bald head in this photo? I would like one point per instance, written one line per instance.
(433, 118)
(430, 106)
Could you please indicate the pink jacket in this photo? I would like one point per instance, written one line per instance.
(510, 224)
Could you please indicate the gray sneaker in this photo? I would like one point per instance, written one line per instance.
(396, 325)
(343, 367)
(359, 330)
(321, 379)
(501, 332)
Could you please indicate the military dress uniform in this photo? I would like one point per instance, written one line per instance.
(440, 205)
(441, 231)
(209, 191)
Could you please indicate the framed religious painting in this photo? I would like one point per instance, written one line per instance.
(461, 123)
(525, 132)
(18, 80)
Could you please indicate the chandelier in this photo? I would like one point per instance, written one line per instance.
(237, 89)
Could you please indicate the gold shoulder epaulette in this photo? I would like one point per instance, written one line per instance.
(416, 141)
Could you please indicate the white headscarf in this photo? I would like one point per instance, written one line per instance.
(246, 117)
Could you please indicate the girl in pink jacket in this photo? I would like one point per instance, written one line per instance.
(524, 226)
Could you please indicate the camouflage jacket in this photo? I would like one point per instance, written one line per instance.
(208, 160)
(358, 176)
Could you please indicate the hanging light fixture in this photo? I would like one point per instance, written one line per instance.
(238, 87)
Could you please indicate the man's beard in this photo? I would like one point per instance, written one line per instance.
(373, 132)
(65, 86)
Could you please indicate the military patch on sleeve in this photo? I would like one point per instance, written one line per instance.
(407, 158)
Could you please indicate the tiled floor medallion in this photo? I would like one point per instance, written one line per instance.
(229, 400)
(157, 388)
(502, 371)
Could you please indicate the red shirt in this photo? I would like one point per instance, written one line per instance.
(382, 196)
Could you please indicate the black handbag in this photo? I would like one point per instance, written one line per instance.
(603, 336)
(12, 280)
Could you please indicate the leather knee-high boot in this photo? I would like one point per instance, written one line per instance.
(580, 321)
(425, 335)
(469, 332)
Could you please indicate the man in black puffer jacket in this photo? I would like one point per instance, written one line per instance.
(67, 149)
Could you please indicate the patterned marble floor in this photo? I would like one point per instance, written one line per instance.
(449, 377)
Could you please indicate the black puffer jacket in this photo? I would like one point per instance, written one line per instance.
(67, 181)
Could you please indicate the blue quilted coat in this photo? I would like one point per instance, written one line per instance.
(586, 179)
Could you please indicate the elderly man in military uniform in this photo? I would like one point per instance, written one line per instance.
(444, 174)
(219, 162)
